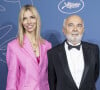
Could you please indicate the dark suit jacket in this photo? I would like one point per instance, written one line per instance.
(59, 75)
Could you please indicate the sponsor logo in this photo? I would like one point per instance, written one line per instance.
(71, 6)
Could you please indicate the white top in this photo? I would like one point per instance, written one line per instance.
(76, 63)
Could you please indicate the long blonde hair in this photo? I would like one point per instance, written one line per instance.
(21, 30)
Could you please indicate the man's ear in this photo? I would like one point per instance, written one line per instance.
(83, 30)
(64, 32)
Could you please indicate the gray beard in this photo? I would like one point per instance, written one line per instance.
(74, 40)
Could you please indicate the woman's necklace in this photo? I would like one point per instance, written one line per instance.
(35, 49)
(34, 46)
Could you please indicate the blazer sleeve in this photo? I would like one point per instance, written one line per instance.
(13, 69)
(97, 63)
(48, 45)
(51, 72)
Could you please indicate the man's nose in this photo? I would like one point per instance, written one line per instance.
(75, 28)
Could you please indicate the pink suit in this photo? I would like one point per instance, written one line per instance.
(24, 72)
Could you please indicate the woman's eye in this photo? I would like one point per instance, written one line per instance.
(24, 18)
(32, 16)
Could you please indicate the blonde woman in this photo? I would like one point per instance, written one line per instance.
(27, 55)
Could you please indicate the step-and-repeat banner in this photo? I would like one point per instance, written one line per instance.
(52, 13)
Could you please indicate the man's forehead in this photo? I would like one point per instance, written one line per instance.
(74, 19)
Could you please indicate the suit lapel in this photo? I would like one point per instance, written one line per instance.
(86, 61)
(63, 59)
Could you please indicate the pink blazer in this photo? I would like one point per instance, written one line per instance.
(24, 72)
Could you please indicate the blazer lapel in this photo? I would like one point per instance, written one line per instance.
(63, 59)
(28, 48)
(43, 56)
(86, 61)
(42, 50)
